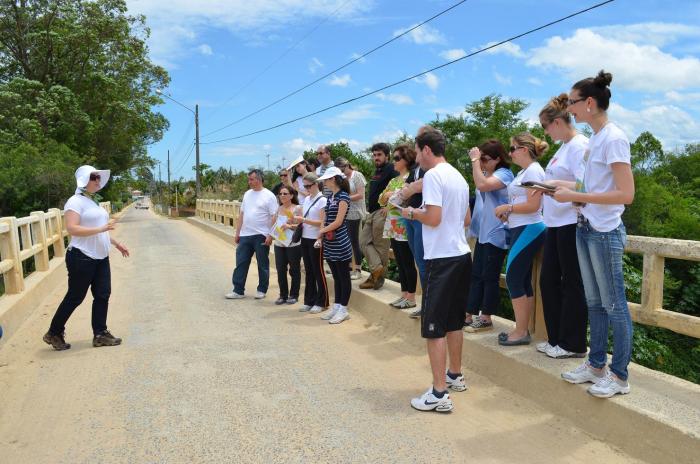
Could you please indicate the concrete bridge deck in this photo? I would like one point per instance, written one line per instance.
(203, 379)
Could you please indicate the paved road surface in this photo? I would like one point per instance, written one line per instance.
(200, 379)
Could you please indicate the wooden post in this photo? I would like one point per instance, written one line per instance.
(652, 282)
(9, 248)
(59, 246)
(41, 259)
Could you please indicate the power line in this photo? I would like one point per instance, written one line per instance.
(510, 39)
(358, 58)
(184, 162)
(277, 60)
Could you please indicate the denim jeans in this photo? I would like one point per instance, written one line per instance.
(83, 273)
(600, 259)
(247, 246)
(414, 234)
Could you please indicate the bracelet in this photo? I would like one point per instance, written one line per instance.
(475, 160)
(410, 214)
(510, 210)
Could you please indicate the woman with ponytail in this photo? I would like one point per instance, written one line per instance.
(563, 299)
(524, 216)
(602, 188)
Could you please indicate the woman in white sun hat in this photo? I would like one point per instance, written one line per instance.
(87, 260)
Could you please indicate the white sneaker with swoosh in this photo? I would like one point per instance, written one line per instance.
(429, 402)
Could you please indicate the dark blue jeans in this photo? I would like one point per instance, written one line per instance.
(485, 293)
(83, 273)
(247, 247)
(414, 234)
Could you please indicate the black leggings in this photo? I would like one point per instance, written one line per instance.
(485, 293)
(341, 281)
(354, 230)
(407, 267)
(526, 241)
(563, 297)
(288, 257)
(316, 290)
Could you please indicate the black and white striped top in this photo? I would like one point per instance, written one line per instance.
(338, 249)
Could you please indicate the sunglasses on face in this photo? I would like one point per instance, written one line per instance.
(484, 159)
(94, 177)
(283, 193)
(397, 158)
(308, 186)
(512, 148)
(284, 175)
(571, 102)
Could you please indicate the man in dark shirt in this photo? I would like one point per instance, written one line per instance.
(374, 246)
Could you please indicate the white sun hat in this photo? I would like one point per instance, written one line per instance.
(82, 177)
(331, 172)
(295, 162)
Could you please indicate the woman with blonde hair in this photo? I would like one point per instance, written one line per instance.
(524, 216)
(563, 299)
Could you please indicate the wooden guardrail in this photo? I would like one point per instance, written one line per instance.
(31, 237)
(649, 311)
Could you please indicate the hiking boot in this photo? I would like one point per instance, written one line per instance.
(367, 284)
(378, 277)
(105, 339)
(57, 341)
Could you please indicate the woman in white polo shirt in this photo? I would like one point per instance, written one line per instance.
(604, 187)
(87, 260)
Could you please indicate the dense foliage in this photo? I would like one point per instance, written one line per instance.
(76, 87)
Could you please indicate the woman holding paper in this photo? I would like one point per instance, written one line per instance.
(287, 254)
(524, 217)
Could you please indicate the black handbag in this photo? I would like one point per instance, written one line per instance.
(296, 236)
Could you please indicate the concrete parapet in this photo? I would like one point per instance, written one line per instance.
(658, 422)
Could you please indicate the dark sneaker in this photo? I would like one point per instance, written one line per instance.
(280, 301)
(106, 339)
(57, 341)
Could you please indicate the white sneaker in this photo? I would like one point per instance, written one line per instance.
(234, 296)
(340, 315)
(557, 352)
(543, 347)
(329, 315)
(355, 275)
(609, 386)
(429, 402)
(259, 295)
(582, 374)
(458, 384)
(317, 309)
(305, 308)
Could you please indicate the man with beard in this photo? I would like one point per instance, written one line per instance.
(374, 246)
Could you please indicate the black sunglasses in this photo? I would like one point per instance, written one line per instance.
(512, 148)
(308, 186)
(95, 177)
(397, 158)
(570, 102)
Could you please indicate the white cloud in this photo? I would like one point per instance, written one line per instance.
(339, 81)
(314, 65)
(396, 98)
(308, 131)
(205, 49)
(355, 56)
(453, 54)
(388, 136)
(353, 116)
(634, 67)
(508, 48)
(175, 23)
(669, 123)
(457, 111)
(503, 80)
(423, 35)
(355, 145)
(534, 81)
(657, 34)
(298, 145)
(430, 79)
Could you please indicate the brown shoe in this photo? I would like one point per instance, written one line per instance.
(57, 341)
(378, 277)
(367, 284)
(105, 339)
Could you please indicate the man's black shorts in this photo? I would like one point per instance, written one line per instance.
(445, 295)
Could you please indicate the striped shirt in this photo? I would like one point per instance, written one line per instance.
(338, 249)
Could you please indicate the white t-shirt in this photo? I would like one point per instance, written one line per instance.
(444, 186)
(314, 214)
(517, 195)
(301, 190)
(258, 208)
(91, 215)
(609, 145)
(564, 165)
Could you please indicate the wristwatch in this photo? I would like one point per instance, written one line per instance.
(410, 213)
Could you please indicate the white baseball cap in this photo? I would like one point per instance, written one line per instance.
(82, 176)
(331, 172)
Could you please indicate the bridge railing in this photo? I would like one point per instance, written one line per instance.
(31, 237)
(649, 311)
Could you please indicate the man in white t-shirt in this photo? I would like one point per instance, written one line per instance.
(444, 216)
(258, 214)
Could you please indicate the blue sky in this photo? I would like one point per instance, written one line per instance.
(212, 48)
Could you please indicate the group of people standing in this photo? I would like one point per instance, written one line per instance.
(418, 205)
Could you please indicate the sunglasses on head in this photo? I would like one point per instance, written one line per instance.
(95, 177)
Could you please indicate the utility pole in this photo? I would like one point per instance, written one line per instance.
(284, 164)
(268, 161)
(168, 170)
(160, 181)
(196, 141)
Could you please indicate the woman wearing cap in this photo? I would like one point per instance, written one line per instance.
(87, 260)
(357, 211)
(311, 218)
(336, 241)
